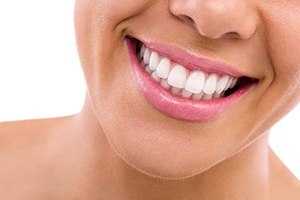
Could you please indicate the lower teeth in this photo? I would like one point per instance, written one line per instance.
(184, 93)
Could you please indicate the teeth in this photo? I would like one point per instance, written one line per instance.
(207, 97)
(165, 84)
(198, 96)
(228, 83)
(233, 83)
(148, 70)
(196, 85)
(216, 95)
(222, 83)
(186, 94)
(175, 90)
(195, 82)
(146, 56)
(155, 77)
(177, 76)
(154, 59)
(164, 67)
(211, 84)
(142, 52)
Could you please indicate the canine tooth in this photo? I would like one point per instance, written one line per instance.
(233, 83)
(154, 60)
(175, 90)
(207, 97)
(142, 51)
(177, 76)
(228, 83)
(198, 96)
(148, 70)
(186, 94)
(164, 67)
(155, 77)
(164, 83)
(222, 83)
(146, 56)
(210, 84)
(195, 82)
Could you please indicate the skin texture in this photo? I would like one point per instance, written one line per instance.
(120, 147)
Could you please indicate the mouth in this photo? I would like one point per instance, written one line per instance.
(184, 86)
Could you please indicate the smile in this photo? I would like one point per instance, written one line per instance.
(184, 86)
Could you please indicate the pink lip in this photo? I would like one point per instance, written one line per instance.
(176, 107)
(193, 62)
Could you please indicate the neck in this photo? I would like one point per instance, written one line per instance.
(101, 173)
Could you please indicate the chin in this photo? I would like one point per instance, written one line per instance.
(156, 150)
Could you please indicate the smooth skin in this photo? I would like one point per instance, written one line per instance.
(120, 147)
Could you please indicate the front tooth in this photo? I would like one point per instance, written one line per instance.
(210, 84)
(154, 59)
(164, 67)
(198, 96)
(155, 77)
(165, 84)
(222, 83)
(177, 76)
(207, 97)
(186, 94)
(146, 56)
(195, 82)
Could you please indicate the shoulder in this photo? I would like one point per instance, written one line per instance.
(24, 134)
(23, 130)
(283, 184)
(27, 156)
(29, 136)
(21, 133)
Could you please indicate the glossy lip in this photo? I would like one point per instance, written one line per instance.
(191, 61)
(180, 108)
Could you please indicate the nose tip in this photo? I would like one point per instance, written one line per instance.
(217, 18)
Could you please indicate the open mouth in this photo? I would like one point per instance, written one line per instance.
(185, 86)
(184, 81)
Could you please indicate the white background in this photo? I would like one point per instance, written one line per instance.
(40, 74)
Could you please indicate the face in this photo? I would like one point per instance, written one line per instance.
(159, 75)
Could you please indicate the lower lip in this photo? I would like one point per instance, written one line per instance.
(176, 107)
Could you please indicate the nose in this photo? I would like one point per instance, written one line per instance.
(218, 18)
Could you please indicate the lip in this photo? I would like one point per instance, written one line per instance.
(176, 107)
(191, 61)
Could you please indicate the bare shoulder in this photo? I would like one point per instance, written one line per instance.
(21, 134)
(26, 157)
(20, 137)
(284, 185)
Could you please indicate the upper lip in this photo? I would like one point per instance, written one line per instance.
(193, 62)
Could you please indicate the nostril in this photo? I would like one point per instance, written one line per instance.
(232, 35)
(186, 19)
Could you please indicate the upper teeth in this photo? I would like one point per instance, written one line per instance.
(196, 84)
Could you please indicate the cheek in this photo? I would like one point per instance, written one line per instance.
(111, 11)
(98, 30)
(285, 52)
(282, 27)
